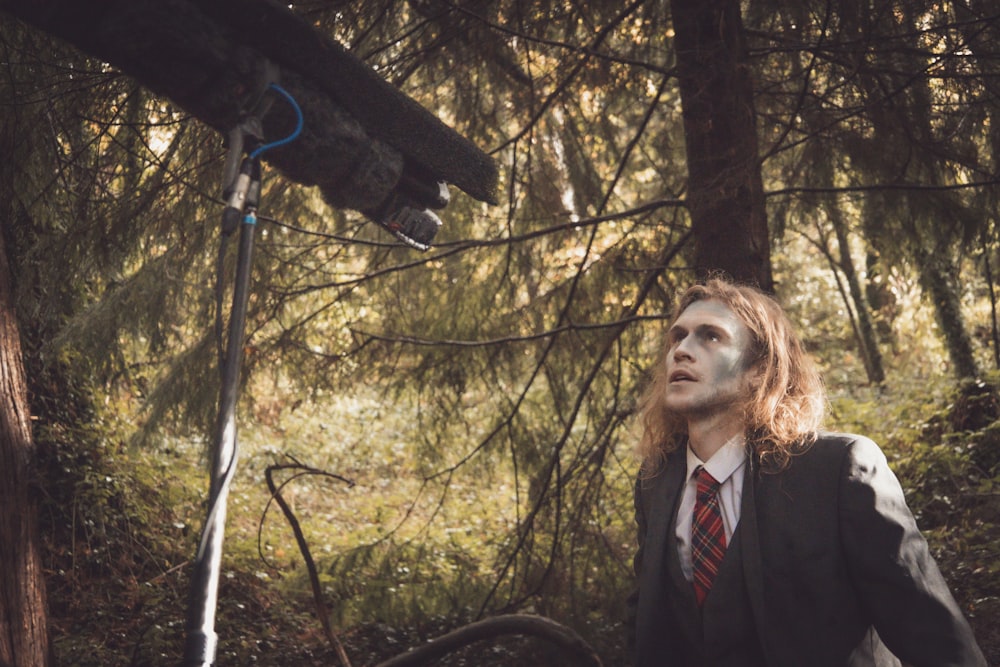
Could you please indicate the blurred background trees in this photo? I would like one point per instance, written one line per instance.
(480, 394)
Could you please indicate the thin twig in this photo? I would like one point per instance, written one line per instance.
(321, 610)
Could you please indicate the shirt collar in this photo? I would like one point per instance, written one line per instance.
(727, 460)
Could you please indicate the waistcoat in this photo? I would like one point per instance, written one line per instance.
(722, 633)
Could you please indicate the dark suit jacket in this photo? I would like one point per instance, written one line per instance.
(836, 570)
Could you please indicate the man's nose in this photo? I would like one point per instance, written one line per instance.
(682, 350)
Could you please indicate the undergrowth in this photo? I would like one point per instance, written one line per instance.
(398, 562)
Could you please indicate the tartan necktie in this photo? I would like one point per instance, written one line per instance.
(708, 537)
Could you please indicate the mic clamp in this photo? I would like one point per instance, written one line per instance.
(243, 194)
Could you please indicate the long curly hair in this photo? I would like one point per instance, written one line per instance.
(787, 400)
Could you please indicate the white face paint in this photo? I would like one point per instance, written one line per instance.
(706, 368)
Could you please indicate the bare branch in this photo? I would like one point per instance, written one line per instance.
(445, 342)
(321, 611)
(514, 624)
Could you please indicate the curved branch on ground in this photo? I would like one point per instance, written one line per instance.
(514, 624)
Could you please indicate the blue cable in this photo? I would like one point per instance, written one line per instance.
(290, 138)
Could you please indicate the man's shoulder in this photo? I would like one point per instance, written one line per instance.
(838, 441)
(821, 468)
(829, 447)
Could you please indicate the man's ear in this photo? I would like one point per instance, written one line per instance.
(754, 376)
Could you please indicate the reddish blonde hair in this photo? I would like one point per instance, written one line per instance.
(787, 400)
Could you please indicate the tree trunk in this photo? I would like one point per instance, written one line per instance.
(936, 280)
(991, 286)
(725, 191)
(23, 626)
(867, 341)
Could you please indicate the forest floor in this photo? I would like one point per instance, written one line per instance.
(104, 625)
(111, 609)
(119, 532)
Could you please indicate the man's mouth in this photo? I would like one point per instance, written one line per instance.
(681, 376)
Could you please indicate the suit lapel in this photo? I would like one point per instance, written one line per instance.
(677, 591)
(660, 495)
(661, 499)
(753, 571)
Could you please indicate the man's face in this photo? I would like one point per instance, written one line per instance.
(706, 368)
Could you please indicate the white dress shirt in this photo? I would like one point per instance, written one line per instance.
(726, 466)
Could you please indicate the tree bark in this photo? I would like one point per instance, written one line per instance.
(23, 623)
(936, 280)
(865, 330)
(725, 190)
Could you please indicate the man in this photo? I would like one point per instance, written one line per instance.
(761, 540)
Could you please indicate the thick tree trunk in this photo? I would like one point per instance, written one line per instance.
(23, 611)
(23, 628)
(725, 191)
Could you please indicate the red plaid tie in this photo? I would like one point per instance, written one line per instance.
(708, 537)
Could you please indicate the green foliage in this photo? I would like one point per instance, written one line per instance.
(403, 583)
(951, 481)
(111, 540)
